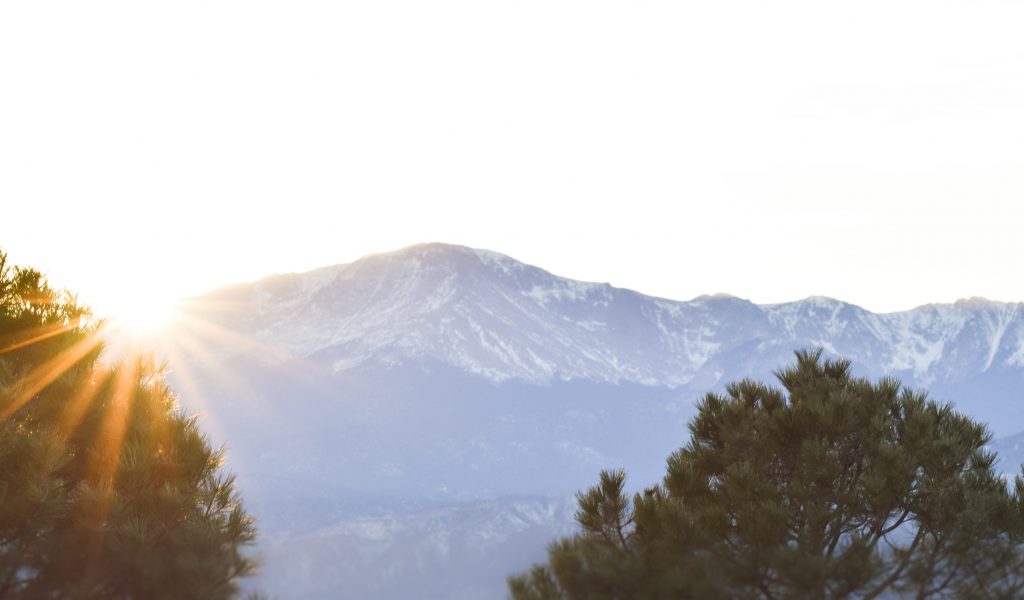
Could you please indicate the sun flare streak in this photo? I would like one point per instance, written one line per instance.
(47, 373)
(27, 337)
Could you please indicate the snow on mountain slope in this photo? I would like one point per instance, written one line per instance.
(479, 311)
(487, 314)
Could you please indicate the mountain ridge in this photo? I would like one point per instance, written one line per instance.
(982, 300)
(502, 319)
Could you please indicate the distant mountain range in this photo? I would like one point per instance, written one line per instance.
(436, 383)
(489, 315)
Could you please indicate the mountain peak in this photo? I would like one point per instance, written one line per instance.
(979, 302)
(428, 249)
(821, 301)
(443, 256)
(438, 250)
(719, 296)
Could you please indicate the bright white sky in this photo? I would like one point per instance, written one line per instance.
(871, 151)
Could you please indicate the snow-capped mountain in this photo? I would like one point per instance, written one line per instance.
(475, 310)
(486, 314)
(381, 411)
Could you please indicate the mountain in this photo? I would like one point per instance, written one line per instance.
(438, 385)
(486, 314)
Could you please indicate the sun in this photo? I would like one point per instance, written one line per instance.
(142, 315)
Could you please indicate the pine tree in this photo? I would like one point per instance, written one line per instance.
(832, 487)
(107, 489)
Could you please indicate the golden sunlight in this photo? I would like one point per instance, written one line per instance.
(140, 315)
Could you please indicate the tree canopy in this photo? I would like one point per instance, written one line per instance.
(107, 489)
(831, 487)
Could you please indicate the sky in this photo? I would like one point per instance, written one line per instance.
(871, 151)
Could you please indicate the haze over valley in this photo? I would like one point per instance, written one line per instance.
(434, 409)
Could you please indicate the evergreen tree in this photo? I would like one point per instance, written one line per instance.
(107, 490)
(832, 487)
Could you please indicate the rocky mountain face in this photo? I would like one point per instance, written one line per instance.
(435, 386)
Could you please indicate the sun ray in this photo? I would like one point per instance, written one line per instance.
(34, 335)
(76, 406)
(45, 374)
(224, 335)
(254, 400)
(232, 381)
(106, 456)
(154, 388)
(192, 390)
(108, 446)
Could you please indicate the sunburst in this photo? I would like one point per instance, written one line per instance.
(142, 315)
